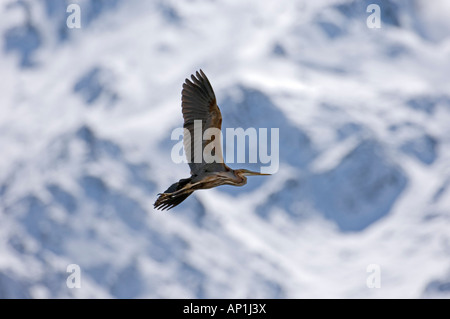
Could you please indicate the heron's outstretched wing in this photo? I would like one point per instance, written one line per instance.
(200, 112)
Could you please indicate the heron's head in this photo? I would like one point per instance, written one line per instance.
(242, 173)
(238, 177)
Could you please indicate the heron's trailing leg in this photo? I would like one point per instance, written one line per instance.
(174, 195)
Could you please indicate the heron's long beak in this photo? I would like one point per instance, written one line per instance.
(251, 173)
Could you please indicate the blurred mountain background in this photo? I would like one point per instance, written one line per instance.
(86, 116)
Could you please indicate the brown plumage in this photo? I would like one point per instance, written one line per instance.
(198, 103)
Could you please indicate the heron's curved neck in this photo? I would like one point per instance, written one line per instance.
(239, 178)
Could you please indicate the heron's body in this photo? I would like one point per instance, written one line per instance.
(199, 104)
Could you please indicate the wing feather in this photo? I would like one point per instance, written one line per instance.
(198, 103)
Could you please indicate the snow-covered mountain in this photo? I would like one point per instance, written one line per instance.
(86, 116)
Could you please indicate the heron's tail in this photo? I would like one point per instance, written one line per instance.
(174, 195)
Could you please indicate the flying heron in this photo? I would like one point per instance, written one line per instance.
(198, 103)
